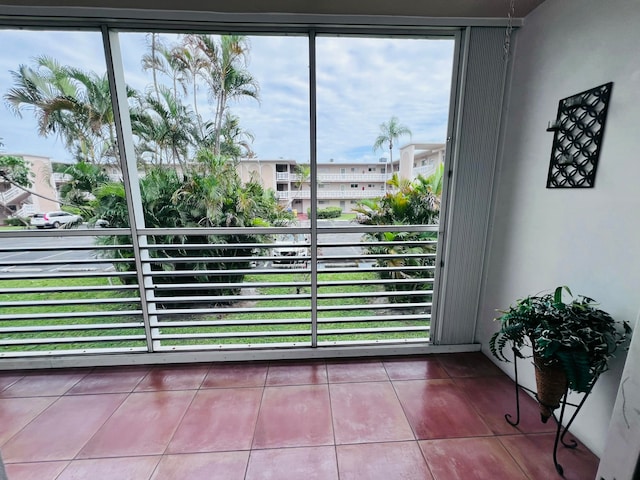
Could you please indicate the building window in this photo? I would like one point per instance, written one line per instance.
(354, 185)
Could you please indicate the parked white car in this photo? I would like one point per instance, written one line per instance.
(54, 219)
(293, 248)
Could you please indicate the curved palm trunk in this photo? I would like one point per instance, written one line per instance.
(154, 70)
(220, 108)
(195, 108)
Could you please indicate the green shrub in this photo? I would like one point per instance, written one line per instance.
(207, 194)
(329, 212)
(408, 202)
(16, 221)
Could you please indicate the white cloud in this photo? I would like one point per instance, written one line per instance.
(361, 82)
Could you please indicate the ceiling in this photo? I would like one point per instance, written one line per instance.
(420, 8)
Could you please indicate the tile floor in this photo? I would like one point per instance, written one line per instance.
(435, 417)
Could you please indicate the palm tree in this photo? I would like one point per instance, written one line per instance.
(85, 178)
(191, 62)
(152, 61)
(225, 74)
(69, 102)
(389, 132)
(165, 126)
(235, 142)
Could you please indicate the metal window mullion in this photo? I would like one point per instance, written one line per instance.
(313, 186)
(128, 164)
(454, 127)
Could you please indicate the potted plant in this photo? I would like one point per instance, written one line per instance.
(571, 342)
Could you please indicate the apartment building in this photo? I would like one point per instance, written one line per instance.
(18, 202)
(341, 184)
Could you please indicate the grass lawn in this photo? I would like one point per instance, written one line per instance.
(275, 326)
(4, 228)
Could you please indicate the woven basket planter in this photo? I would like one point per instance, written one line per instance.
(551, 383)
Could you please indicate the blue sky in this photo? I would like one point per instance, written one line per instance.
(361, 82)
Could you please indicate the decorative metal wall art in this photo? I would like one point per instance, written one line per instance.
(578, 130)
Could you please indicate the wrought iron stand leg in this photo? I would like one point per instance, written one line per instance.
(561, 431)
(507, 416)
(559, 468)
(573, 443)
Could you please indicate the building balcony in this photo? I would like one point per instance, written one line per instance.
(13, 195)
(287, 177)
(61, 178)
(335, 177)
(330, 194)
(434, 417)
(25, 211)
(352, 177)
(424, 171)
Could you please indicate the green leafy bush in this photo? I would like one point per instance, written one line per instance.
(407, 202)
(16, 221)
(329, 212)
(208, 194)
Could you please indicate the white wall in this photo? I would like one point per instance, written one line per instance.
(588, 239)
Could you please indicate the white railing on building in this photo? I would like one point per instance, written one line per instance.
(335, 177)
(424, 171)
(61, 178)
(288, 177)
(12, 195)
(328, 194)
(352, 177)
(26, 210)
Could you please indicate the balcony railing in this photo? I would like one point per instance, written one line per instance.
(287, 177)
(336, 177)
(59, 178)
(13, 194)
(424, 171)
(331, 194)
(74, 292)
(25, 210)
(352, 177)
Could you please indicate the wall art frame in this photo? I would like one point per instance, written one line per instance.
(577, 140)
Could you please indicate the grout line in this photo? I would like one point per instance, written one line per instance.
(333, 423)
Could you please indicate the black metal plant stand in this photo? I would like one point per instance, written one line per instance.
(560, 430)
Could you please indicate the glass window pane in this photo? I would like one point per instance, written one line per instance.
(63, 289)
(382, 108)
(218, 122)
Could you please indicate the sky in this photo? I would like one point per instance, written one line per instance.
(361, 83)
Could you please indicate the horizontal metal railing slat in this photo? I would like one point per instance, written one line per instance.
(76, 301)
(382, 296)
(46, 341)
(64, 328)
